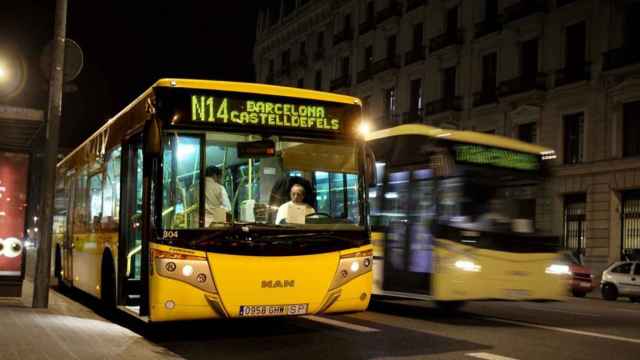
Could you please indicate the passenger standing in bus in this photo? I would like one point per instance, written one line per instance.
(297, 194)
(216, 196)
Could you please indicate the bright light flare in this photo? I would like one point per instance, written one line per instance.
(466, 265)
(558, 269)
(364, 129)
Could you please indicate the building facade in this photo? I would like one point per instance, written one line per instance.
(561, 73)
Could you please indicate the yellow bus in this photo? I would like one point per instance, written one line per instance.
(453, 213)
(169, 210)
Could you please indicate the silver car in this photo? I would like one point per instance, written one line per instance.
(621, 278)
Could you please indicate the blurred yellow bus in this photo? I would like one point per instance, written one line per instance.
(169, 210)
(452, 215)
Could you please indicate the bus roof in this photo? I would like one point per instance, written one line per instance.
(470, 137)
(232, 86)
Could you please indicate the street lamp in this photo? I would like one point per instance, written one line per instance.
(4, 72)
(13, 71)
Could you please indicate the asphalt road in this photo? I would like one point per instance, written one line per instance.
(405, 329)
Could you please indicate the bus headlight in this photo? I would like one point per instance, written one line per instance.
(467, 265)
(183, 268)
(351, 266)
(558, 269)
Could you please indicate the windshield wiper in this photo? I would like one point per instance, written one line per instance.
(304, 237)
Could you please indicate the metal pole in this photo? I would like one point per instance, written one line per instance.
(54, 112)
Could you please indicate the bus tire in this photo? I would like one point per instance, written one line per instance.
(108, 281)
(57, 264)
(450, 307)
(609, 292)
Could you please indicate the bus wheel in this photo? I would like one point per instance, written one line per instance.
(108, 283)
(57, 264)
(609, 292)
(450, 307)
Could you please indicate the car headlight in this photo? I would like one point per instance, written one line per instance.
(558, 269)
(467, 265)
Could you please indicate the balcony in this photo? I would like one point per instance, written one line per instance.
(318, 54)
(573, 74)
(343, 81)
(363, 75)
(414, 55)
(393, 9)
(523, 84)
(366, 26)
(523, 9)
(414, 116)
(485, 97)
(385, 64)
(414, 4)
(345, 34)
(442, 105)
(487, 27)
(447, 39)
(621, 57)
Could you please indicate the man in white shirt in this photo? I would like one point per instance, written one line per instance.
(215, 195)
(297, 203)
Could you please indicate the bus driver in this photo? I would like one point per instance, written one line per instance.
(297, 194)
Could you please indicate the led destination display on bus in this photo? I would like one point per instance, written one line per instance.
(478, 154)
(262, 113)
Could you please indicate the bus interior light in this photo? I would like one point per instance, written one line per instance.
(558, 269)
(467, 265)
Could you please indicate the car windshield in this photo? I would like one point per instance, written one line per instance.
(209, 180)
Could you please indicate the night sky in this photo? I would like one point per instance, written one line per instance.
(127, 46)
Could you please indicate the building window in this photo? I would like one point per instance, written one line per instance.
(575, 46)
(390, 105)
(631, 129)
(574, 138)
(318, 80)
(452, 20)
(529, 59)
(391, 46)
(528, 133)
(286, 61)
(418, 34)
(368, 57)
(370, 10)
(489, 73)
(575, 222)
(416, 97)
(449, 83)
(320, 40)
(344, 66)
(347, 22)
(303, 49)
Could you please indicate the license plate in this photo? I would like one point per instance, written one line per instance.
(273, 310)
(517, 293)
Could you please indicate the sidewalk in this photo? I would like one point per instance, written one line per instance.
(66, 330)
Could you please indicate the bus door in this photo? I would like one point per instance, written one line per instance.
(408, 250)
(130, 246)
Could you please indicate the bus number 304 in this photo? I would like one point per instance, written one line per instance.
(169, 234)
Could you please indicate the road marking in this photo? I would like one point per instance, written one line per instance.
(489, 356)
(629, 310)
(559, 329)
(557, 310)
(339, 323)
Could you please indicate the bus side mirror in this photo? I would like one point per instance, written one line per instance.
(370, 174)
(152, 138)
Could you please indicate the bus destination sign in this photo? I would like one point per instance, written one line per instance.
(478, 154)
(264, 114)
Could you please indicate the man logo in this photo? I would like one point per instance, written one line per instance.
(278, 284)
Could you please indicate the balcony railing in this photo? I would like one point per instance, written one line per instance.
(446, 39)
(485, 97)
(363, 75)
(344, 35)
(394, 8)
(442, 105)
(617, 58)
(572, 74)
(414, 4)
(414, 55)
(522, 84)
(366, 26)
(343, 81)
(487, 27)
(318, 54)
(415, 116)
(523, 8)
(385, 64)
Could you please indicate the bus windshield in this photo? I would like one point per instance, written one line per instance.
(209, 181)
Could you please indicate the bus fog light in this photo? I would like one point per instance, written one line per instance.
(344, 273)
(466, 265)
(355, 266)
(170, 266)
(366, 262)
(201, 278)
(187, 270)
(169, 304)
